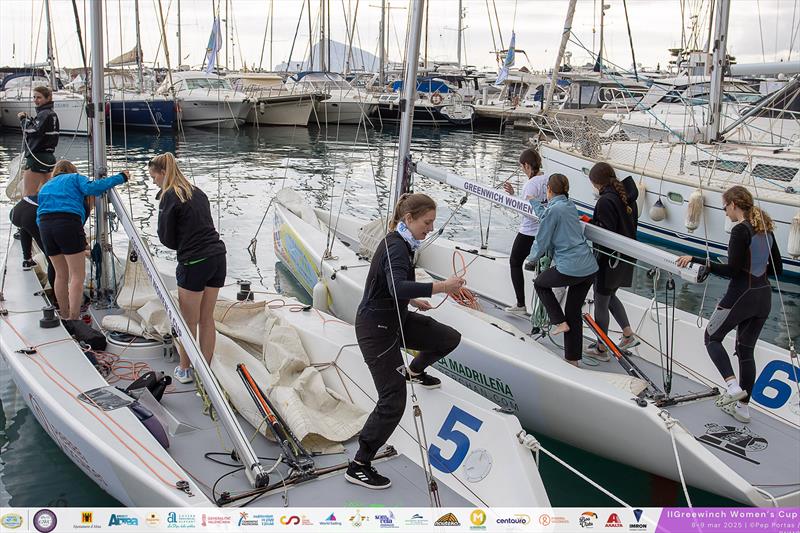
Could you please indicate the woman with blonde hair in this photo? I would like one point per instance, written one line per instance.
(61, 214)
(384, 326)
(185, 225)
(752, 255)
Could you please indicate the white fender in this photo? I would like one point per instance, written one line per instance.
(694, 210)
(794, 237)
(658, 212)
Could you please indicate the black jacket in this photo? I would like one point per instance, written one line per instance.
(187, 227)
(41, 131)
(392, 261)
(610, 213)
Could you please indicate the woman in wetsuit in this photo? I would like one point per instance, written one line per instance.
(185, 225)
(561, 235)
(615, 210)
(752, 255)
(384, 326)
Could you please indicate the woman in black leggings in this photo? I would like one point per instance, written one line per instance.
(384, 326)
(536, 187)
(752, 255)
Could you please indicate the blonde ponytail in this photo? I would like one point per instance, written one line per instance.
(757, 217)
(174, 179)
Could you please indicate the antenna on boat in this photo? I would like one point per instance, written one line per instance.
(252, 467)
(407, 99)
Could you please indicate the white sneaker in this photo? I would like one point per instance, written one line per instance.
(517, 310)
(594, 351)
(626, 343)
(184, 376)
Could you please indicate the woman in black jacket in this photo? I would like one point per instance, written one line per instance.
(41, 138)
(615, 210)
(185, 225)
(384, 326)
(753, 254)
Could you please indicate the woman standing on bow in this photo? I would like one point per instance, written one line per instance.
(753, 254)
(384, 325)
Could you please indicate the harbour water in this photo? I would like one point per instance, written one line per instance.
(340, 168)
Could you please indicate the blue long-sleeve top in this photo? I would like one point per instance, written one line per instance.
(65, 193)
(561, 235)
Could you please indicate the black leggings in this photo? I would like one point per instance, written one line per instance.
(23, 216)
(748, 315)
(519, 251)
(381, 349)
(576, 295)
(603, 303)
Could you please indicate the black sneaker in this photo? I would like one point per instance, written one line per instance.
(366, 476)
(28, 264)
(424, 380)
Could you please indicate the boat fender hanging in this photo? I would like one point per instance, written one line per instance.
(694, 210)
(658, 212)
(319, 297)
(642, 188)
(794, 237)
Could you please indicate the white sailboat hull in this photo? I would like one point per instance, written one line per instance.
(204, 113)
(110, 447)
(342, 110)
(289, 110)
(549, 395)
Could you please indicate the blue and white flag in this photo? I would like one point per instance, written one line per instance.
(509, 62)
(214, 44)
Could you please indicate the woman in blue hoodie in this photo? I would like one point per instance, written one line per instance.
(561, 236)
(61, 215)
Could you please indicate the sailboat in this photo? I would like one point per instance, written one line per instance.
(452, 448)
(681, 183)
(619, 411)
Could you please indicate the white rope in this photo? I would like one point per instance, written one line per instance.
(670, 423)
(530, 442)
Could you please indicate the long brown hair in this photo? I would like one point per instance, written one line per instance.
(174, 179)
(558, 184)
(532, 158)
(416, 205)
(63, 166)
(603, 174)
(742, 199)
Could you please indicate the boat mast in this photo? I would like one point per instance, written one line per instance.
(718, 62)
(598, 66)
(180, 55)
(139, 46)
(381, 49)
(50, 56)
(561, 48)
(460, 29)
(409, 96)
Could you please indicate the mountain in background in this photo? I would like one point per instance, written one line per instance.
(360, 60)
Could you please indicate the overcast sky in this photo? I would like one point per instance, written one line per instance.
(759, 30)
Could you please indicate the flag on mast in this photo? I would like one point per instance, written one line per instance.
(214, 44)
(509, 62)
